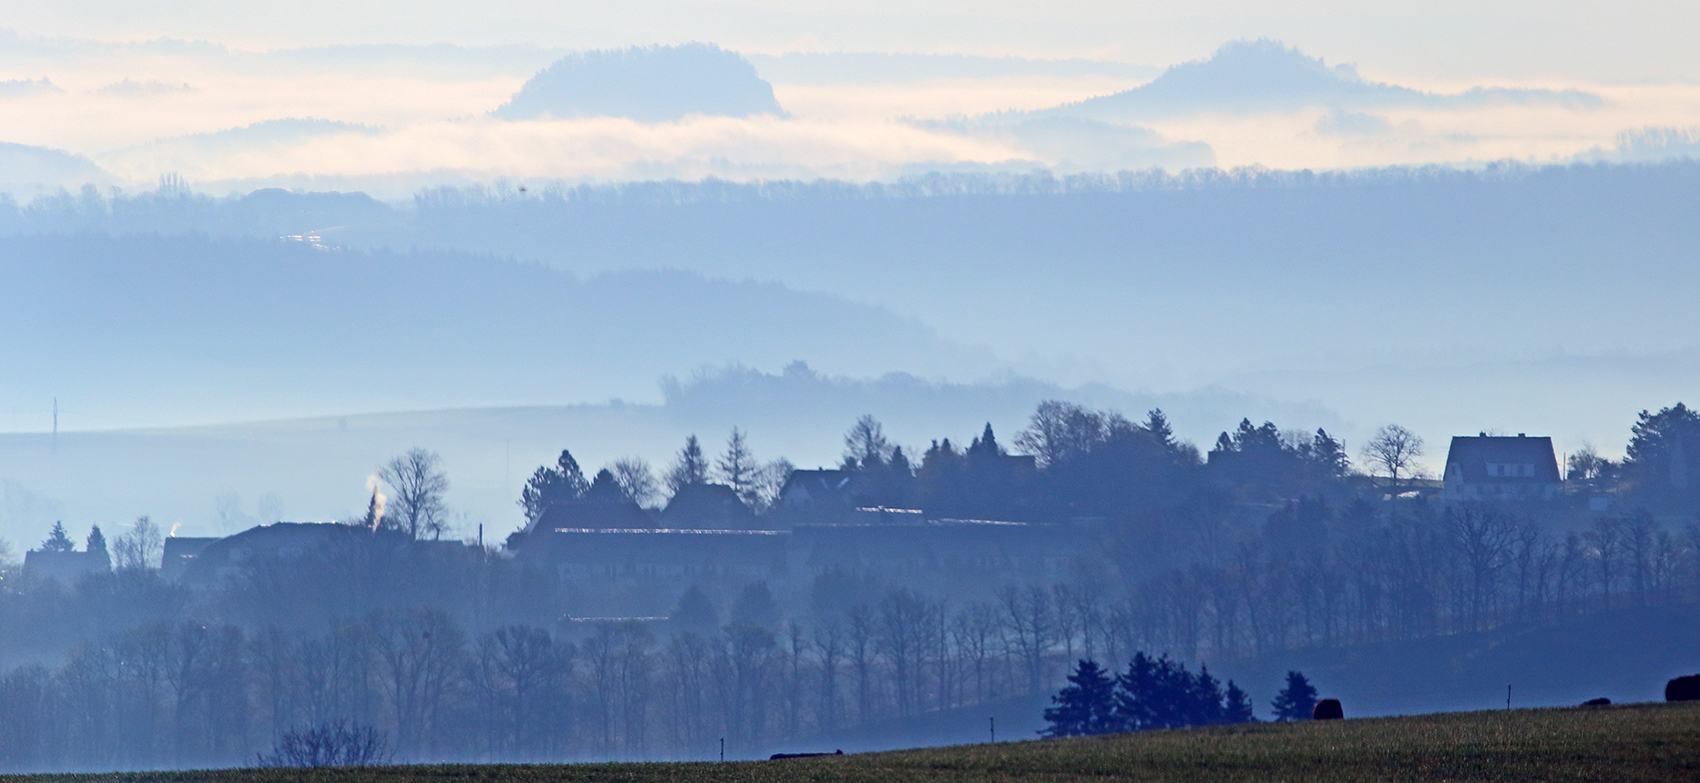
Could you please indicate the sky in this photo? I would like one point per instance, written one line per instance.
(425, 127)
(1590, 40)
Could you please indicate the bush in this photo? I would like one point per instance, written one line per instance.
(335, 744)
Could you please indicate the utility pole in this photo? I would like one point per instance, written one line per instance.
(1508, 697)
(994, 721)
(722, 748)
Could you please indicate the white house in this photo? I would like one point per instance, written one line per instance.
(1500, 468)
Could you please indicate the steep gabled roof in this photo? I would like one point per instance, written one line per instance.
(595, 514)
(818, 487)
(1471, 456)
(707, 507)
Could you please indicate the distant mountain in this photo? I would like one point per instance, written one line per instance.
(268, 132)
(296, 328)
(650, 84)
(26, 171)
(17, 88)
(191, 155)
(1246, 77)
(125, 88)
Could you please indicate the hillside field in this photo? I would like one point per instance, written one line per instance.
(1638, 742)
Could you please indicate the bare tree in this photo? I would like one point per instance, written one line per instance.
(1605, 538)
(417, 483)
(865, 443)
(1485, 538)
(1585, 466)
(517, 670)
(770, 481)
(829, 641)
(139, 548)
(1060, 431)
(228, 511)
(1394, 450)
(269, 508)
(636, 479)
(1029, 627)
(418, 653)
(334, 744)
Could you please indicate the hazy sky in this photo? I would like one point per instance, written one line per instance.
(1439, 40)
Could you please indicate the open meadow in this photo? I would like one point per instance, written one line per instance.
(1639, 742)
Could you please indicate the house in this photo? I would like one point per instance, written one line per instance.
(708, 507)
(219, 561)
(179, 552)
(817, 491)
(593, 513)
(66, 567)
(1500, 468)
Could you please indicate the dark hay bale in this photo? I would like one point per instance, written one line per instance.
(1600, 702)
(1683, 688)
(1327, 709)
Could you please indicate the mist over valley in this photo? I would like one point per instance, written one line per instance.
(706, 381)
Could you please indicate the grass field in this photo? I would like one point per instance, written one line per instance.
(1640, 742)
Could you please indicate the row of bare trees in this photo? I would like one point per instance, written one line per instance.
(176, 694)
(1415, 574)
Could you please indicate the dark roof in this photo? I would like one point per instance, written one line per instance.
(187, 546)
(594, 514)
(707, 507)
(66, 566)
(179, 552)
(1469, 457)
(818, 486)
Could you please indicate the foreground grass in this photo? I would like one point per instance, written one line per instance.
(1643, 742)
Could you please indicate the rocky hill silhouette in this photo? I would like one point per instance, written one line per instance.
(651, 84)
(1245, 77)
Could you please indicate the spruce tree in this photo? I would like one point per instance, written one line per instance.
(985, 446)
(96, 541)
(604, 487)
(1086, 706)
(690, 466)
(1206, 707)
(1237, 706)
(552, 485)
(1295, 701)
(695, 613)
(1158, 425)
(57, 541)
(1136, 694)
